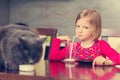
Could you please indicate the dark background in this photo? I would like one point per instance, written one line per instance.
(60, 14)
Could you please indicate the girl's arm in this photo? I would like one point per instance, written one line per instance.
(109, 52)
(56, 53)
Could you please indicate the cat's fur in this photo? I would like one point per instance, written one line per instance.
(19, 45)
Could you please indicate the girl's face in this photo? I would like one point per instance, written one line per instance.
(84, 29)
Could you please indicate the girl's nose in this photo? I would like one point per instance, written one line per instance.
(80, 30)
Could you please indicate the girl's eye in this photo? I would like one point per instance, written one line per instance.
(77, 26)
(85, 27)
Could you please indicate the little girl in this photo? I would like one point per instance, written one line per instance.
(89, 48)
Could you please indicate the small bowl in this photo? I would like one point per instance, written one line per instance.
(26, 67)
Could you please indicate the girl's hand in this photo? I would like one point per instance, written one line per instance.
(108, 62)
(66, 38)
(99, 60)
(102, 61)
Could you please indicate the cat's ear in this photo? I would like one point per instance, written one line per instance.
(23, 40)
(42, 38)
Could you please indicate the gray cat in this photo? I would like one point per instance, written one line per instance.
(19, 45)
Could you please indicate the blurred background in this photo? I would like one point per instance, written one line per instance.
(59, 14)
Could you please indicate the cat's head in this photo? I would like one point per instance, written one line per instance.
(31, 48)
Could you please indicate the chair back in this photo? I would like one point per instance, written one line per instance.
(112, 36)
(52, 32)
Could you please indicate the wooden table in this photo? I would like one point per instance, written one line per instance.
(45, 70)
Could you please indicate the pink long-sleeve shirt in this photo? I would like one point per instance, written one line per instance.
(100, 47)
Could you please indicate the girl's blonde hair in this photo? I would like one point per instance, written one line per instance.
(95, 20)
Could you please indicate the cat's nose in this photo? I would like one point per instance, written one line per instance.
(30, 61)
